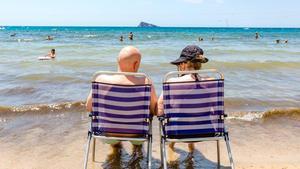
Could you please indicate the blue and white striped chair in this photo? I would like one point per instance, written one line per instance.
(193, 112)
(120, 109)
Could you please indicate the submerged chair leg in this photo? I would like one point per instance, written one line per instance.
(218, 154)
(87, 150)
(164, 154)
(229, 151)
(149, 152)
(161, 153)
(94, 148)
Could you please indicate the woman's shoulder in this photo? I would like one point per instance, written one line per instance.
(187, 78)
(179, 79)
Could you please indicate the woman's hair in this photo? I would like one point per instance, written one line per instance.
(193, 65)
(53, 51)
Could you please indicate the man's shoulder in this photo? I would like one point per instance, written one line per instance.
(103, 78)
(120, 79)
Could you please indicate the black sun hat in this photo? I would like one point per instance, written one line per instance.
(191, 53)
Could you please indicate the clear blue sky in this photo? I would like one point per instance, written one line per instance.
(245, 13)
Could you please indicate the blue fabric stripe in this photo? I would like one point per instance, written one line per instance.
(200, 114)
(96, 113)
(195, 85)
(197, 131)
(186, 123)
(193, 96)
(121, 108)
(142, 123)
(121, 99)
(199, 105)
(127, 89)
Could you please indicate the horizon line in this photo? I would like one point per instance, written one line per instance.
(98, 26)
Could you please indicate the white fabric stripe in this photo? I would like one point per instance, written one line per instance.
(194, 127)
(194, 91)
(117, 86)
(195, 101)
(120, 126)
(121, 112)
(194, 119)
(116, 103)
(120, 94)
(121, 119)
(194, 110)
(194, 82)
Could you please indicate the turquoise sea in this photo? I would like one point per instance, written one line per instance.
(259, 74)
(43, 122)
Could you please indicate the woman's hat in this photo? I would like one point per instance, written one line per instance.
(191, 53)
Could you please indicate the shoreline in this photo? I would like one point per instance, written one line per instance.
(57, 139)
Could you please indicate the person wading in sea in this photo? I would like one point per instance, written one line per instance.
(129, 60)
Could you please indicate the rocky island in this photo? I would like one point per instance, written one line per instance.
(147, 25)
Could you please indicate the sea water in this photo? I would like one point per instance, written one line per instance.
(259, 73)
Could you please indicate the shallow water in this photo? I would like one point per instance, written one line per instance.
(43, 123)
(259, 74)
(57, 140)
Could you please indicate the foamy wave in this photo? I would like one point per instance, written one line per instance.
(274, 113)
(44, 108)
(89, 36)
(80, 107)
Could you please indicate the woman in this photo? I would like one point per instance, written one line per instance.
(191, 58)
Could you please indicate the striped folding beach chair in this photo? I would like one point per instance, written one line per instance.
(120, 109)
(193, 112)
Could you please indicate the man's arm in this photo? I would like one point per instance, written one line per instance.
(88, 103)
(160, 105)
(153, 102)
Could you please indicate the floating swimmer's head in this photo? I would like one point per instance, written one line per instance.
(53, 51)
(129, 59)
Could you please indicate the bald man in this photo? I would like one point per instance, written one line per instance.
(129, 60)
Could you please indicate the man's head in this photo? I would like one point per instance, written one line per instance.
(53, 51)
(129, 59)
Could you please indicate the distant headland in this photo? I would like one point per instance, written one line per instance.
(147, 25)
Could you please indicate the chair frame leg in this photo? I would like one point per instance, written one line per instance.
(94, 149)
(229, 151)
(149, 152)
(87, 150)
(218, 154)
(163, 153)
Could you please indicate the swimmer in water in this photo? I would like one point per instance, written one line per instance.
(200, 39)
(130, 36)
(286, 41)
(121, 38)
(13, 35)
(49, 38)
(51, 54)
(257, 35)
(278, 41)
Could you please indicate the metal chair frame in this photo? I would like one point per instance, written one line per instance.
(93, 136)
(163, 120)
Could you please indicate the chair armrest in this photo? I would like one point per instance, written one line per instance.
(161, 118)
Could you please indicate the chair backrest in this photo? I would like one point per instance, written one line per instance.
(194, 109)
(121, 109)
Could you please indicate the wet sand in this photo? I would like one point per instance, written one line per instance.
(57, 140)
